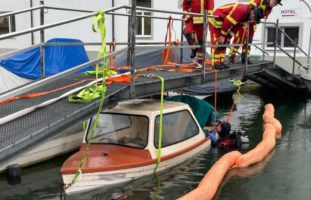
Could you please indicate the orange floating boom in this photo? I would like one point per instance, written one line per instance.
(208, 186)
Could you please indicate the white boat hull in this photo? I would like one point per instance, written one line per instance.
(56, 146)
(104, 180)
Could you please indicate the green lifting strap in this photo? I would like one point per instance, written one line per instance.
(99, 22)
(109, 72)
(86, 95)
(94, 91)
(161, 123)
(238, 83)
(161, 120)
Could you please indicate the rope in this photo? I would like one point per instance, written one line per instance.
(100, 23)
(166, 53)
(215, 97)
(112, 48)
(33, 95)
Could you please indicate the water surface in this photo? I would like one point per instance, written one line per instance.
(284, 174)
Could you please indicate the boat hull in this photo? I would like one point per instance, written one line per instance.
(61, 144)
(108, 179)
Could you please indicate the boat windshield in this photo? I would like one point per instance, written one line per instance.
(120, 129)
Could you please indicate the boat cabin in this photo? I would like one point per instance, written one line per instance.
(136, 123)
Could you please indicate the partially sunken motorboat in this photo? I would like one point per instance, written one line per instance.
(125, 144)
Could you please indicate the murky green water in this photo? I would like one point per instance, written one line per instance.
(284, 174)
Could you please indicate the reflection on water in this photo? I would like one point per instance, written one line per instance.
(284, 174)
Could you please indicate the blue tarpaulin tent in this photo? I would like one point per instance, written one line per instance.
(57, 59)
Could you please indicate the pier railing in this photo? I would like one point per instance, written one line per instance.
(131, 43)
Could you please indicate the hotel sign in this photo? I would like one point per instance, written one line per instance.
(289, 13)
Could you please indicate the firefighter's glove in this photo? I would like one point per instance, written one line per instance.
(221, 40)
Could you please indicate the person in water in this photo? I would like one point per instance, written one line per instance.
(227, 138)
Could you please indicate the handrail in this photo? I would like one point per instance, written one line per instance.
(278, 46)
(169, 12)
(123, 14)
(151, 43)
(68, 9)
(21, 11)
(43, 27)
(145, 16)
(263, 51)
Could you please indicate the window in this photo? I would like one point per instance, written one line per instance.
(120, 129)
(177, 127)
(7, 24)
(283, 41)
(143, 24)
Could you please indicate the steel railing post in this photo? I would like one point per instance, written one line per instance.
(181, 56)
(204, 43)
(263, 41)
(275, 41)
(294, 60)
(132, 48)
(31, 23)
(246, 48)
(309, 47)
(42, 40)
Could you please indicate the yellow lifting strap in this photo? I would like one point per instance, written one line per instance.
(94, 91)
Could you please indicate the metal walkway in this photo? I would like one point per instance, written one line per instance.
(25, 132)
(44, 123)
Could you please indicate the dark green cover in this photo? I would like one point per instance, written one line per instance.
(203, 111)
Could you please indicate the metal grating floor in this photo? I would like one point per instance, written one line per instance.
(24, 128)
(44, 123)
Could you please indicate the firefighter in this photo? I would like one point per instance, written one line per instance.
(193, 30)
(222, 27)
(240, 34)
